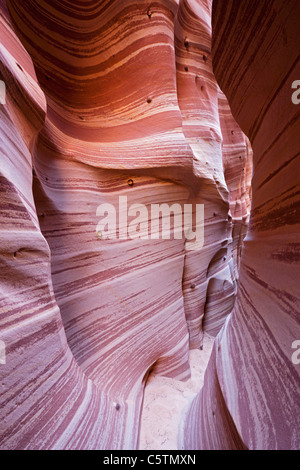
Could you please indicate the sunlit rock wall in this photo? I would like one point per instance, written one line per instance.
(210, 273)
(107, 100)
(250, 397)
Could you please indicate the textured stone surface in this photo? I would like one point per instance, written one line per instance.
(100, 96)
(250, 396)
(166, 401)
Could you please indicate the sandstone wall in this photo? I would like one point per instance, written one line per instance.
(120, 99)
(250, 396)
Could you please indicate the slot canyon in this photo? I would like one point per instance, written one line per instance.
(172, 104)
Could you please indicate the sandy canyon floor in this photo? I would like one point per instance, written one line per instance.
(166, 400)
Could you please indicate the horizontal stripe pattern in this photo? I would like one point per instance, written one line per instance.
(85, 320)
(256, 58)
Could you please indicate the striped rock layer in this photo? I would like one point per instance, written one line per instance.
(250, 397)
(119, 98)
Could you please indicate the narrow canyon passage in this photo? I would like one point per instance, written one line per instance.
(116, 111)
(167, 400)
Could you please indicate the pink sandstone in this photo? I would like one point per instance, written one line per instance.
(126, 98)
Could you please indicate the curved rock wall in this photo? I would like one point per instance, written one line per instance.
(210, 273)
(46, 400)
(250, 397)
(107, 100)
(120, 301)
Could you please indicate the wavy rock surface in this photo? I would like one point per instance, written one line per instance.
(209, 273)
(105, 100)
(250, 397)
(46, 400)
